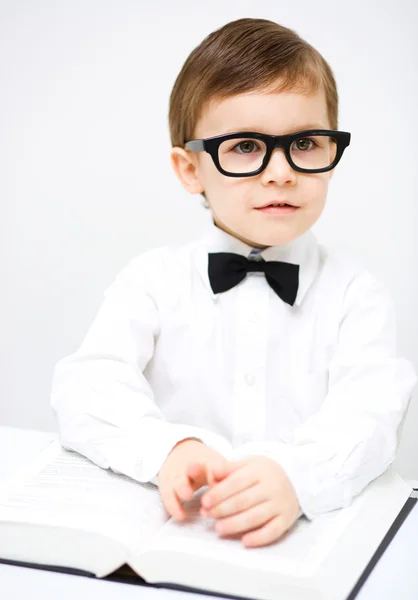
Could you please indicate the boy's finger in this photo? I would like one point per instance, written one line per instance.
(197, 475)
(208, 473)
(221, 471)
(183, 488)
(235, 483)
(172, 503)
(211, 476)
(201, 473)
(216, 472)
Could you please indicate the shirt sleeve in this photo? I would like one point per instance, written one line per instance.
(104, 405)
(353, 438)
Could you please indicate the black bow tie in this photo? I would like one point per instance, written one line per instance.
(227, 269)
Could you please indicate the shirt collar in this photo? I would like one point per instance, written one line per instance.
(303, 251)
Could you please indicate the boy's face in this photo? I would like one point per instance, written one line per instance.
(233, 200)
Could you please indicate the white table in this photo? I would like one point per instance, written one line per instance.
(394, 576)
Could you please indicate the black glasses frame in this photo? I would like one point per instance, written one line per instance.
(211, 146)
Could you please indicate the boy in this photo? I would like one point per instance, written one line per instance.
(253, 360)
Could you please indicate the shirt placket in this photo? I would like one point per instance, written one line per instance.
(249, 384)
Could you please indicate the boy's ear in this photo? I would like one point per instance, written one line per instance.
(185, 167)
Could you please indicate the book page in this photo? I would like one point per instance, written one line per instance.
(299, 551)
(63, 488)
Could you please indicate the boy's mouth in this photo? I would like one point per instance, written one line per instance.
(278, 208)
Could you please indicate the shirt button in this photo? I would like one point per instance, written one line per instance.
(249, 378)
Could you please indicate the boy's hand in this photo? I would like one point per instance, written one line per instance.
(187, 468)
(254, 496)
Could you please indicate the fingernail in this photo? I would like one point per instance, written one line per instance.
(207, 501)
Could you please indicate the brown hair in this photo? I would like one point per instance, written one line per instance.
(246, 55)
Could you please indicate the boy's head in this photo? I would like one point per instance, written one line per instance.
(254, 75)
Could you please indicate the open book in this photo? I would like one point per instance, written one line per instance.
(63, 511)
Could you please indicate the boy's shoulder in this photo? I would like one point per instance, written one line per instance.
(164, 256)
(344, 271)
(340, 261)
(156, 266)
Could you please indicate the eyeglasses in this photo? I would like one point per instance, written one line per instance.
(247, 153)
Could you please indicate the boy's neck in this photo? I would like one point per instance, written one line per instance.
(248, 242)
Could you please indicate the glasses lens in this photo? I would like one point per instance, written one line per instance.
(314, 152)
(241, 155)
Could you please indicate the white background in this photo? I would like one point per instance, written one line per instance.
(86, 181)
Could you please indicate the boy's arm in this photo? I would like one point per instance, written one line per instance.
(104, 404)
(353, 437)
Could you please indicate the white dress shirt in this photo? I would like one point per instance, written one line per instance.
(316, 386)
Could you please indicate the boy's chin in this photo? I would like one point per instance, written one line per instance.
(257, 237)
(285, 236)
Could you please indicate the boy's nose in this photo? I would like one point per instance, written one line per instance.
(278, 167)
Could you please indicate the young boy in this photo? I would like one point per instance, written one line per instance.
(252, 360)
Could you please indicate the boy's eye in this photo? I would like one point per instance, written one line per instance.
(246, 147)
(303, 144)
